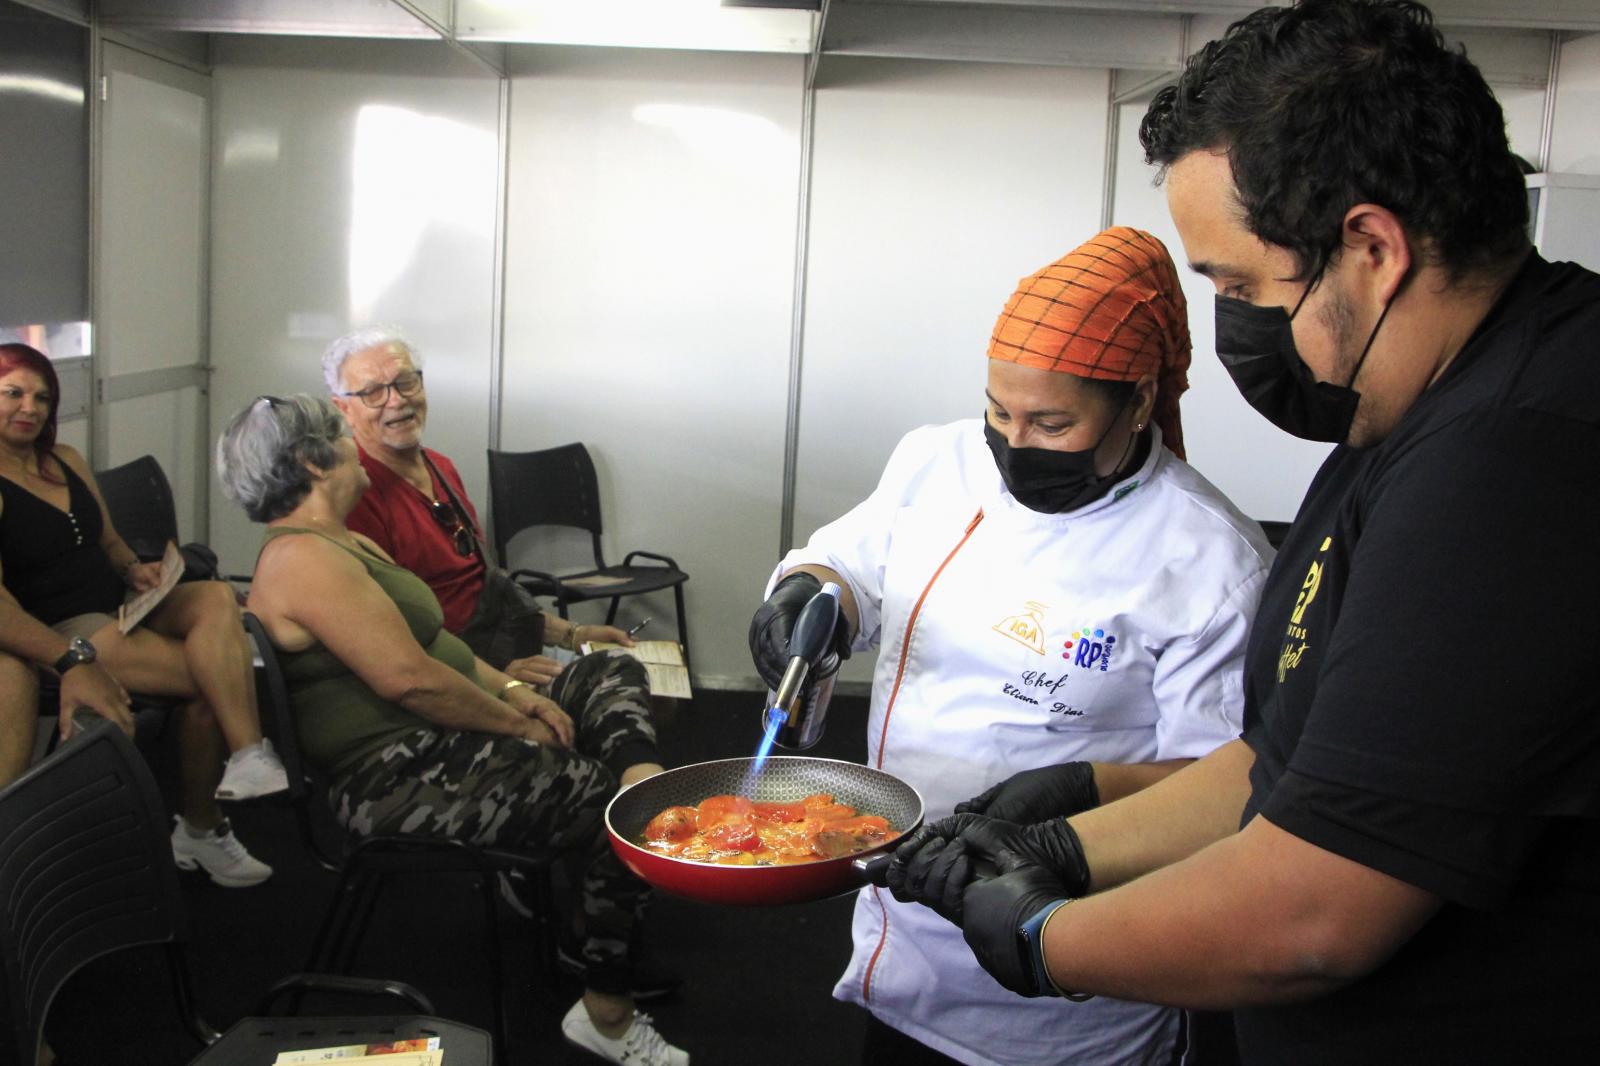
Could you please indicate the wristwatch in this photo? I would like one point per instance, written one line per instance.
(78, 652)
(1030, 937)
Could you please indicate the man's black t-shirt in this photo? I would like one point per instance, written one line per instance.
(1423, 697)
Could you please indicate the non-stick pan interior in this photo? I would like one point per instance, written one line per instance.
(781, 779)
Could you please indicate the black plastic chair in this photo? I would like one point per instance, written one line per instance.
(258, 1039)
(85, 869)
(558, 487)
(139, 499)
(366, 863)
(1275, 531)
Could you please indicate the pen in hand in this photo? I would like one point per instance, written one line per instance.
(636, 629)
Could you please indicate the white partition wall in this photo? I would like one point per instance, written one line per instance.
(150, 329)
(936, 186)
(1575, 136)
(649, 272)
(355, 182)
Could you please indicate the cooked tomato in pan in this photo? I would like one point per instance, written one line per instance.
(734, 831)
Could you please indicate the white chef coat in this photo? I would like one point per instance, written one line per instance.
(1113, 633)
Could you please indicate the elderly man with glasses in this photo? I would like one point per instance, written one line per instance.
(417, 510)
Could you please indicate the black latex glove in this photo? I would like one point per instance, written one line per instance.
(1036, 795)
(996, 908)
(1052, 846)
(774, 621)
(933, 867)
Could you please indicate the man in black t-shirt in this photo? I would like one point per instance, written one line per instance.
(1399, 861)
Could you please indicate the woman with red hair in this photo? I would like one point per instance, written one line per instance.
(62, 562)
(1060, 605)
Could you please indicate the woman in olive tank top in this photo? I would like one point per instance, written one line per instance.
(415, 733)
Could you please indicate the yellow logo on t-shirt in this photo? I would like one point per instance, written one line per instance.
(1026, 628)
(1294, 648)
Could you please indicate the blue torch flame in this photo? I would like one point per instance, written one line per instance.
(774, 718)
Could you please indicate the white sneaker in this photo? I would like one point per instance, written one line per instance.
(220, 854)
(641, 1045)
(251, 772)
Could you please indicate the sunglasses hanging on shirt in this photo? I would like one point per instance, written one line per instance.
(450, 520)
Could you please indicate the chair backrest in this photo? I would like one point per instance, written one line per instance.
(139, 499)
(277, 721)
(272, 696)
(552, 487)
(85, 869)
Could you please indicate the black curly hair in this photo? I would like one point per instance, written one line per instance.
(1331, 103)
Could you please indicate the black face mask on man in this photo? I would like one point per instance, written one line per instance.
(1256, 346)
(1046, 480)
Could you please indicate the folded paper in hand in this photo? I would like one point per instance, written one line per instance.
(140, 604)
(663, 661)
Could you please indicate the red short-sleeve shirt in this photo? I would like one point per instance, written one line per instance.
(399, 519)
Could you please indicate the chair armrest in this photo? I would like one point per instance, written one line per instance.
(345, 986)
(537, 575)
(539, 583)
(627, 560)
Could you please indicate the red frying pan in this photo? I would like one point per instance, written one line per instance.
(781, 779)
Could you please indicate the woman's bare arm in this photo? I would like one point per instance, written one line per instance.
(309, 591)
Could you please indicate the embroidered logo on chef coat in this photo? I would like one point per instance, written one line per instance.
(1296, 642)
(1090, 648)
(1026, 628)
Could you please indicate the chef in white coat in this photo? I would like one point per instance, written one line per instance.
(1050, 588)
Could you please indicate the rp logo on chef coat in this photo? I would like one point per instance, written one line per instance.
(1090, 648)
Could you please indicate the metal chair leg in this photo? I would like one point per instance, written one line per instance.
(491, 924)
(183, 992)
(360, 919)
(683, 628)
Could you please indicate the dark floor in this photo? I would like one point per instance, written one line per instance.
(758, 980)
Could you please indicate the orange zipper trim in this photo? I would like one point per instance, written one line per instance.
(888, 709)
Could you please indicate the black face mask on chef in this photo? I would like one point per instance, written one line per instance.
(1046, 480)
(1256, 346)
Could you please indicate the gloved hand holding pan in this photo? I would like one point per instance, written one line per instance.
(780, 779)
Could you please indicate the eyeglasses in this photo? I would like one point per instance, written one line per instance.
(449, 518)
(375, 396)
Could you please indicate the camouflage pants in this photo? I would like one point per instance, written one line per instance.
(513, 794)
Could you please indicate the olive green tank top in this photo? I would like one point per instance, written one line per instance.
(338, 718)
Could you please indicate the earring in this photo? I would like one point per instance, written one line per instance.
(1139, 428)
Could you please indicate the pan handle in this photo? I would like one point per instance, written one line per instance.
(874, 869)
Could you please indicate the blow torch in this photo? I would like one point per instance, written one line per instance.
(798, 708)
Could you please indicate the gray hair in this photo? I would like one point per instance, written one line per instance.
(359, 341)
(262, 455)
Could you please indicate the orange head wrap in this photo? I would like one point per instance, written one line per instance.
(1110, 309)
